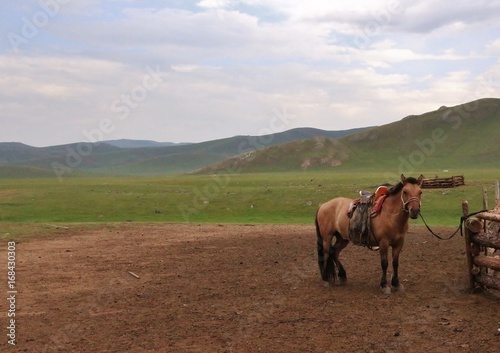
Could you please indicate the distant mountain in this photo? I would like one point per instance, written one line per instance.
(11, 152)
(460, 137)
(463, 137)
(14, 153)
(124, 143)
(141, 157)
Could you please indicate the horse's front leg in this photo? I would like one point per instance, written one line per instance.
(384, 251)
(395, 265)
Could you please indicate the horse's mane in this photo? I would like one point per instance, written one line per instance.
(397, 188)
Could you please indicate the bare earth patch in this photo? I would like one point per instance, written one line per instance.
(238, 288)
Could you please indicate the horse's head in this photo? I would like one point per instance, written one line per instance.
(411, 195)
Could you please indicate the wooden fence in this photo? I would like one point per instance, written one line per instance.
(451, 182)
(482, 240)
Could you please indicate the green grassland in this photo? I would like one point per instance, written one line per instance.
(224, 198)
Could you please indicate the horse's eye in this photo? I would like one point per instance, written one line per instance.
(405, 192)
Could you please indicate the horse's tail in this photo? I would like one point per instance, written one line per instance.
(327, 270)
(319, 244)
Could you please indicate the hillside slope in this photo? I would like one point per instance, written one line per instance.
(303, 154)
(460, 137)
(464, 135)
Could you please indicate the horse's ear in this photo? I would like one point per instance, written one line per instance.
(420, 180)
(403, 178)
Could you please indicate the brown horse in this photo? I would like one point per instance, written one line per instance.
(388, 228)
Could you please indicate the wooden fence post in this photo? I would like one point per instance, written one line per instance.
(465, 210)
(497, 194)
(485, 204)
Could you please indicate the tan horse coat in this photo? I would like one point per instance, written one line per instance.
(388, 229)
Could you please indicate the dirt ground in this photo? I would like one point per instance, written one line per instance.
(238, 288)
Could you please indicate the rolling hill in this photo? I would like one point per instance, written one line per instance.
(459, 137)
(125, 157)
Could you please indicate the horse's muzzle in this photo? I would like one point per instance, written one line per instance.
(414, 212)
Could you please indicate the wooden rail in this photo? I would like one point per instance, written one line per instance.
(437, 183)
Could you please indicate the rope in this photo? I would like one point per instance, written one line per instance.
(462, 220)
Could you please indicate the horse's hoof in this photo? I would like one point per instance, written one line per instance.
(342, 281)
(326, 284)
(386, 290)
(400, 288)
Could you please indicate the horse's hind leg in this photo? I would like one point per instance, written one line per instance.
(339, 245)
(329, 274)
(321, 256)
(326, 258)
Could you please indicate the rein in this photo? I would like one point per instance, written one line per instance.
(460, 226)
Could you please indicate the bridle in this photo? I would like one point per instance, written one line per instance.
(411, 199)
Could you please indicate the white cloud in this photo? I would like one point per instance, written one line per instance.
(228, 65)
(214, 4)
(493, 47)
(185, 68)
(54, 77)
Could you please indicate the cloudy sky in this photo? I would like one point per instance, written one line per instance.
(199, 70)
